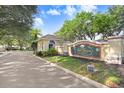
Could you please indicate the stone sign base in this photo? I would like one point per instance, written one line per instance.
(111, 51)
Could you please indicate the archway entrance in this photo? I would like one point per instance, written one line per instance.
(51, 44)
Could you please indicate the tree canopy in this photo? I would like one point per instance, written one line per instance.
(16, 22)
(87, 25)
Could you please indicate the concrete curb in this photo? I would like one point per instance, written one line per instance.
(94, 83)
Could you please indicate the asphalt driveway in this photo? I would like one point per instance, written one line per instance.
(23, 70)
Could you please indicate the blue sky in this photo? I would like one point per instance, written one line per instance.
(50, 18)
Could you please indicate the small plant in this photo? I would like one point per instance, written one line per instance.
(45, 53)
(40, 53)
(52, 52)
(113, 81)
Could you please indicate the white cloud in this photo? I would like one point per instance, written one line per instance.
(38, 22)
(42, 12)
(89, 8)
(53, 12)
(70, 10)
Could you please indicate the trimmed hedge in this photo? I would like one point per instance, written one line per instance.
(49, 52)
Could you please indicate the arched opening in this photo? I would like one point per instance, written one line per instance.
(51, 44)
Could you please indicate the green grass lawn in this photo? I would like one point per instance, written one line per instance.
(80, 66)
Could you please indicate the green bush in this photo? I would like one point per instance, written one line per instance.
(114, 79)
(49, 52)
(45, 53)
(52, 52)
(40, 53)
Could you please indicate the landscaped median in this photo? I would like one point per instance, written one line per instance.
(105, 74)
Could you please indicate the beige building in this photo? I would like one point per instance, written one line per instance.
(48, 41)
(110, 51)
(116, 50)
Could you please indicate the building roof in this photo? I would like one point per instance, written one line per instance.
(48, 36)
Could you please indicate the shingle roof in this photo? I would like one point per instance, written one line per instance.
(48, 36)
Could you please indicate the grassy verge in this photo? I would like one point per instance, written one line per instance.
(80, 66)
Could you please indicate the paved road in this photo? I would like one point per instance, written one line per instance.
(23, 70)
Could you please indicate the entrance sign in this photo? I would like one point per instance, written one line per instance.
(86, 50)
(111, 50)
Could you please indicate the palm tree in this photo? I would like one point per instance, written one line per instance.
(34, 37)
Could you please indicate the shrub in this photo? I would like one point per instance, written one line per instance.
(45, 53)
(113, 81)
(40, 53)
(52, 52)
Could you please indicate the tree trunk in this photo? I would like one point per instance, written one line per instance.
(20, 44)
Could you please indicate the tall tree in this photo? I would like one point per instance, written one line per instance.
(103, 24)
(87, 25)
(33, 38)
(85, 22)
(16, 21)
(118, 13)
(78, 28)
(16, 18)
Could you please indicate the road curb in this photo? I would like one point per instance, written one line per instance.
(94, 83)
